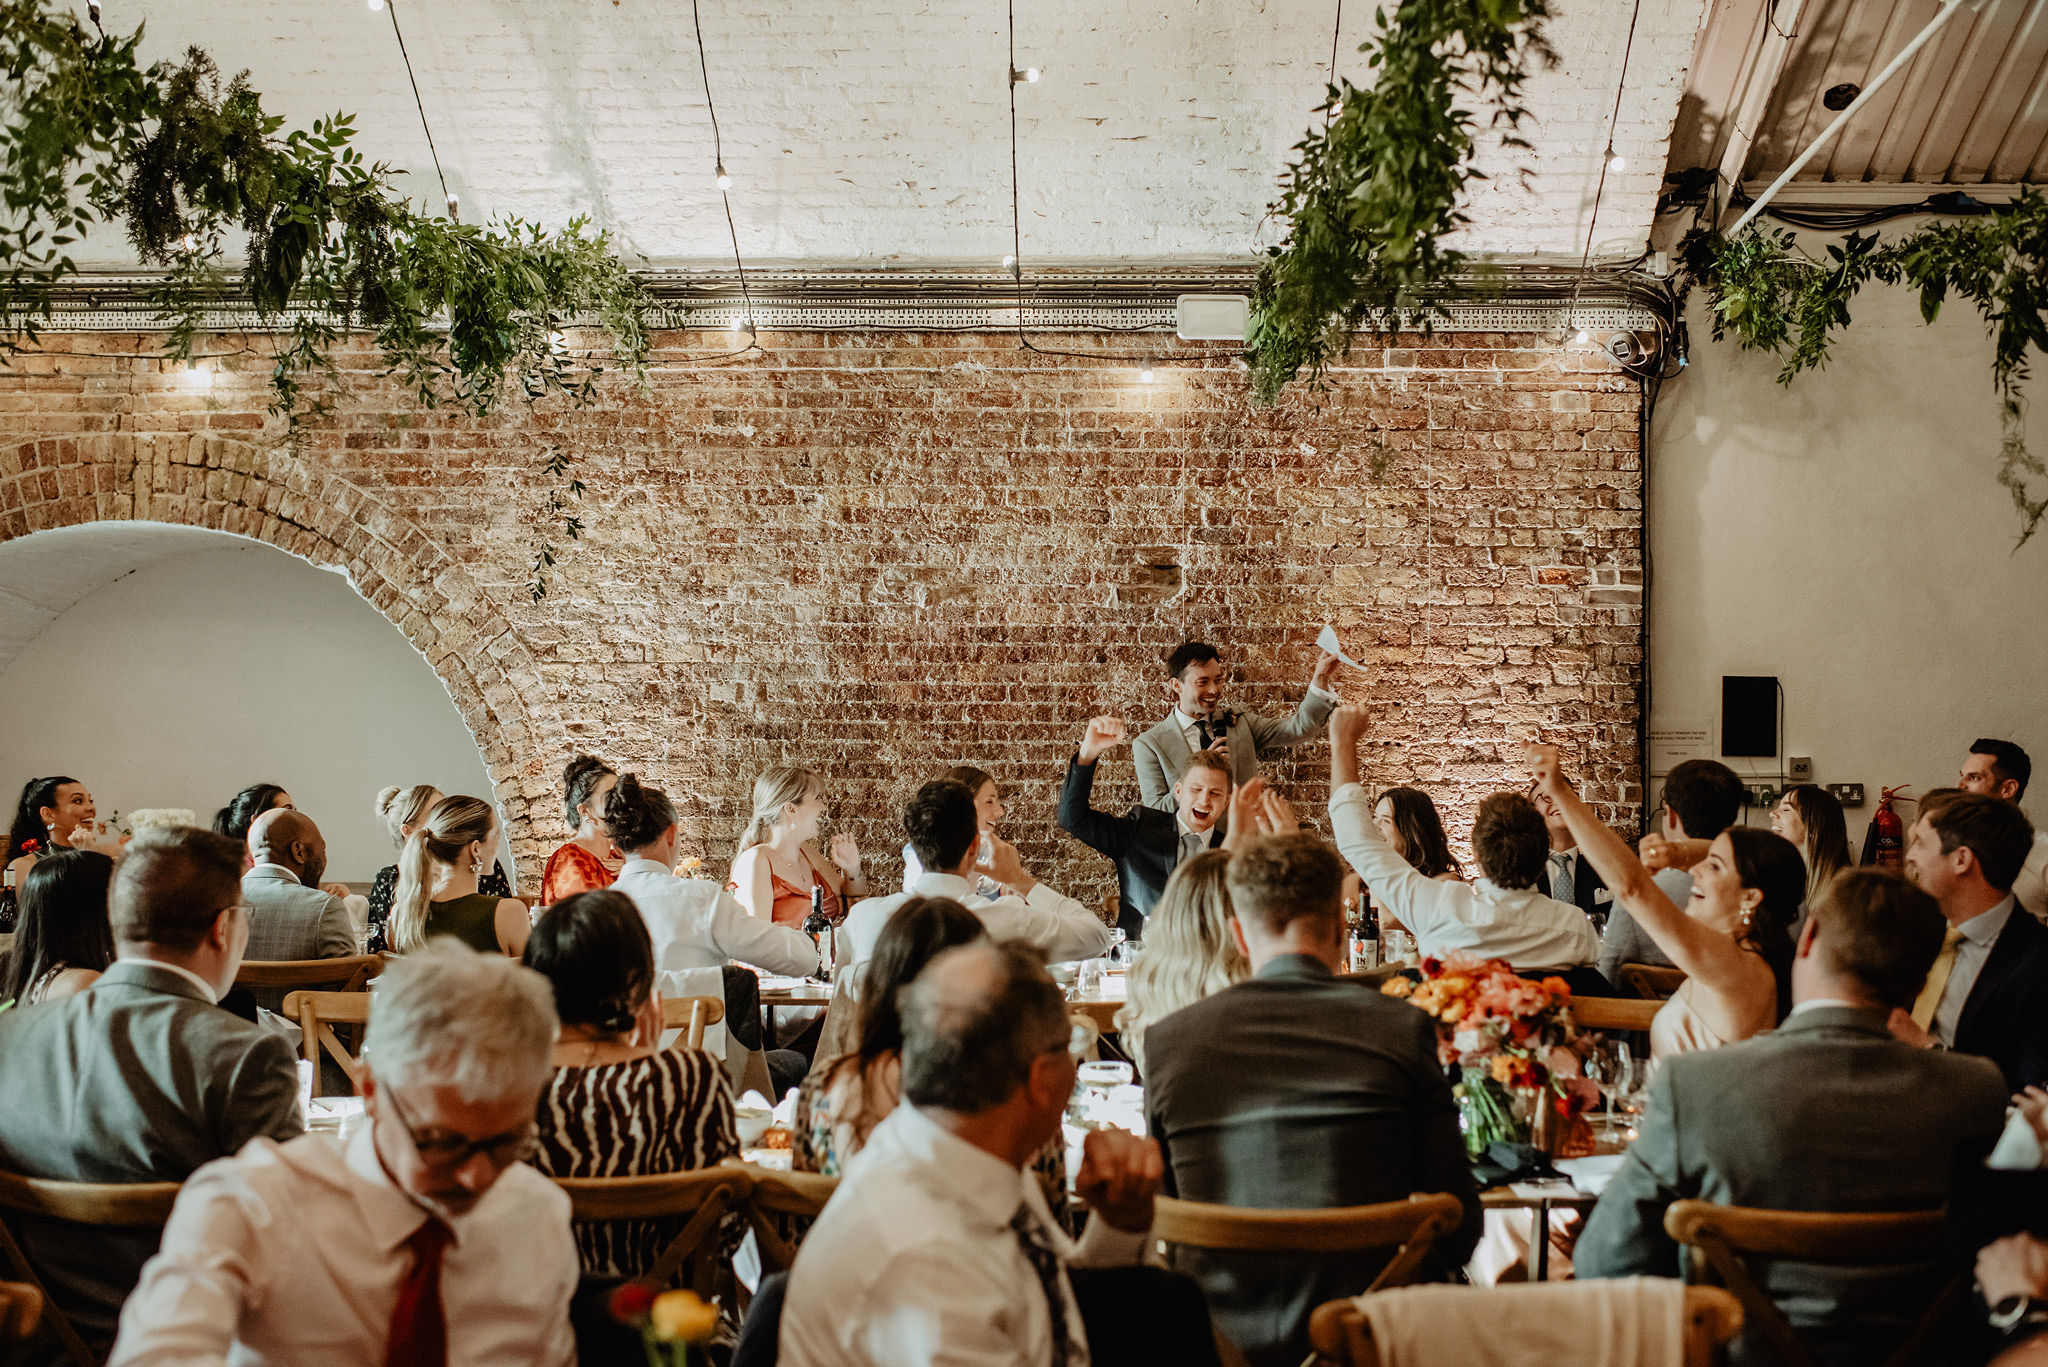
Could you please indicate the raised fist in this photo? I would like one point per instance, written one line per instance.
(1104, 733)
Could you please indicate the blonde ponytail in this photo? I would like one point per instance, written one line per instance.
(452, 826)
(773, 791)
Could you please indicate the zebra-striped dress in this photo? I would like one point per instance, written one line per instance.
(667, 1112)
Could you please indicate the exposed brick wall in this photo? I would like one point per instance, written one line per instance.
(882, 554)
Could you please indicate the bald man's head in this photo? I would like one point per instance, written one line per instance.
(290, 840)
(974, 1021)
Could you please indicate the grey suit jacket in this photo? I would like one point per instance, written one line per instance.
(138, 1079)
(288, 920)
(1297, 1090)
(1828, 1113)
(1162, 753)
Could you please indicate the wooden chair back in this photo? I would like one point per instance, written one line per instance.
(1411, 1228)
(21, 1310)
(778, 1199)
(1651, 982)
(1613, 1013)
(317, 1014)
(693, 1016)
(702, 1199)
(114, 1205)
(1722, 1237)
(1343, 1338)
(350, 974)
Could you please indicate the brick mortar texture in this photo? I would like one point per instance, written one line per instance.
(881, 554)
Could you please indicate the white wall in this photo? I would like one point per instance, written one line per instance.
(201, 673)
(1847, 534)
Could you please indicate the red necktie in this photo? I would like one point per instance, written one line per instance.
(419, 1330)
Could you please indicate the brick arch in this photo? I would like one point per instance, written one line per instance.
(226, 483)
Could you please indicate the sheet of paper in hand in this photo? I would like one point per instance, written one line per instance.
(1328, 641)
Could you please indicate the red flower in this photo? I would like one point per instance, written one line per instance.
(31, 846)
(1432, 966)
(630, 1302)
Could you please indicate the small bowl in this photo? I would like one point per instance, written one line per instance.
(752, 1122)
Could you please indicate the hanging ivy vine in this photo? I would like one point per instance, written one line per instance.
(457, 312)
(1372, 192)
(1770, 296)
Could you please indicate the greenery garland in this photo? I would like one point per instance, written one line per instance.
(454, 310)
(1373, 190)
(1769, 296)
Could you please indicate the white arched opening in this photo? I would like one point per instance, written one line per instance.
(170, 666)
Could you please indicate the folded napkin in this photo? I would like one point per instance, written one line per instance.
(1624, 1322)
(2018, 1148)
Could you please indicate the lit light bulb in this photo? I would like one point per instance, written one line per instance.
(1145, 373)
(1009, 262)
(1030, 73)
(376, 4)
(1615, 161)
(739, 325)
(454, 208)
(1581, 337)
(188, 243)
(724, 180)
(557, 343)
(197, 375)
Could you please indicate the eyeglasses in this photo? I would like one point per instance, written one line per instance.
(445, 1149)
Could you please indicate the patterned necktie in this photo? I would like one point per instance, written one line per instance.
(1046, 1263)
(419, 1330)
(1561, 885)
(1208, 732)
(1929, 1000)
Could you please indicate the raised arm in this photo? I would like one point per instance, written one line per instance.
(1699, 951)
(1099, 831)
(1309, 720)
(1412, 899)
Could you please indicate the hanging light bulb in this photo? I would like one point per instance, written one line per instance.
(1009, 263)
(724, 180)
(188, 243)
(454, 209)
(1615, 161)
(1581, 337)
(1145, 372)
(376, 4)
(197, 375)
(1024, 77)
(92, 10)
(1031, 73)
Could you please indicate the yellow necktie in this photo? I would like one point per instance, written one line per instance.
(1937, 980)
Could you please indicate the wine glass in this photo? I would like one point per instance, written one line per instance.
(1610, 1066)
(1119, 947)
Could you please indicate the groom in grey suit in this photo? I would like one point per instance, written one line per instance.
(142, 1078)
(1827, 1113)
(1200, 721)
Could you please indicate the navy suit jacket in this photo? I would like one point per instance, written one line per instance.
(1144, 845)
(2005, 1018)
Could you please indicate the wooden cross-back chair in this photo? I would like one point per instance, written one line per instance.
(318, 1013)
(702, 1199)
(1613, 1013)
(1343, 1337)
(693, 1016)
(1651, 982)
(777, 1201)
(1411, 1228)
(110, 1205)
(350, 974)
(1722, 1237)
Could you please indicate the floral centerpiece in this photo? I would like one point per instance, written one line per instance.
(670, 1322)
(1510, 1039)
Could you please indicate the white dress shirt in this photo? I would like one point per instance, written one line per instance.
(913, 869)
(1520, 925)
(292, 1254)
(696, 924)
(2030, 889)
(1059, 926)
(914, 1262)
(1977, 935)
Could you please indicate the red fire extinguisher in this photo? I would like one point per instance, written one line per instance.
(1884, 844)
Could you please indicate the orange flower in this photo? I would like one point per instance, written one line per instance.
(1398, 987)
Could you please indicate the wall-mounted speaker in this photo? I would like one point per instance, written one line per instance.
(1749, 715)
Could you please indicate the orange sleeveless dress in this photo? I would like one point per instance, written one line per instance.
(792, 904)
(570, 870)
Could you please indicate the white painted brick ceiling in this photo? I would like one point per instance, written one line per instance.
(877, 130)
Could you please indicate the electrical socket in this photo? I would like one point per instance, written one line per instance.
(1761, 795)
(1848, 794)
(1799, 768)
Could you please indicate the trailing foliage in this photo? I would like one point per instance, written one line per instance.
(456, 311)
(1769, 296)
(1373, 190)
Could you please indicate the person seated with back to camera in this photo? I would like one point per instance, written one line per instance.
(1201, 721)
(988, 805)
(1145, 844)
(291, 916)
(1503, 915)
